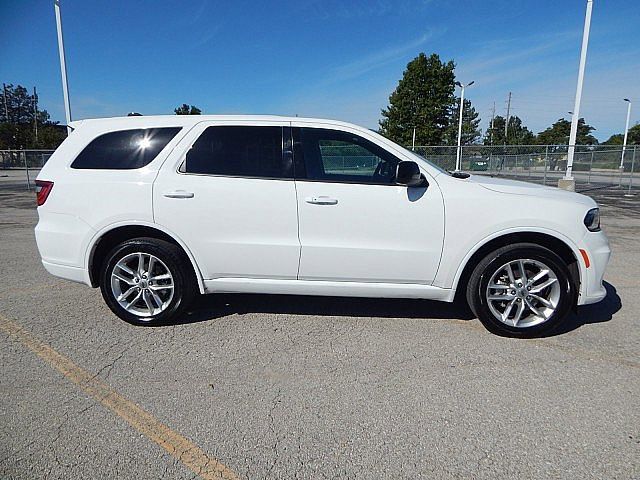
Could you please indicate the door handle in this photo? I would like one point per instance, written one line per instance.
(178, 194)
(321, 200)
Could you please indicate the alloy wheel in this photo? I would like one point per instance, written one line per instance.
(523, 293)
(142, 284)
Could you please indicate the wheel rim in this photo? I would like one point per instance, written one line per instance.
(523, 293)
(142, 284)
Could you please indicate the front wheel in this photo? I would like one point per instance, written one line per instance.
(146, 281)
(521, 290)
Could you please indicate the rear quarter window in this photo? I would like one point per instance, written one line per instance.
(124, 149)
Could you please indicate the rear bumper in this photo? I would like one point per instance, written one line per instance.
(74, 274)
(61, 240)
(597, 247)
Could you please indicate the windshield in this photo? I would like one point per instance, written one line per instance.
(420, 157)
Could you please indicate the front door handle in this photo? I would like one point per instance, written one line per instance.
(321, 200)
(178, 194)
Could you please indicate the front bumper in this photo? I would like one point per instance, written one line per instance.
(596, 245)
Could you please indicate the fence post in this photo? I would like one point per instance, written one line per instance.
(546, 159)
(621, 168)
(26, 166)
(590, 167)
(633, 161)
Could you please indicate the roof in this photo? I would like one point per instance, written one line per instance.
(182, 120)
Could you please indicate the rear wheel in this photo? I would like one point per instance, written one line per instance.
(146, 281)
(521, 290)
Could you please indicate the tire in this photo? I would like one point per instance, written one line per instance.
(154, 296)
(533, 305)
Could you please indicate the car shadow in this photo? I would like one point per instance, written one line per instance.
(211, 307)
(600, 312)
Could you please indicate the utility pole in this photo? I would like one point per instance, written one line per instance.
(459, 150)
(35, 113)
(493, 115)
(568, 182)
(63, 64)
(6, 109)
(506, 121)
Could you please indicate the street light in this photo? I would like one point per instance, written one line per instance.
(568, 181)
(63, 65)
(459, 151)
(626, 132)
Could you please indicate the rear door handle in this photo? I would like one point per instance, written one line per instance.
(178, 194)
(321, 200)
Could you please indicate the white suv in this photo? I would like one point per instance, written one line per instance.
(155, 209)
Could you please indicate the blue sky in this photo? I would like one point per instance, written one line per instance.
(327, 58)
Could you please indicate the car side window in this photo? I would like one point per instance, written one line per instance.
(124, 149)
(239, 151)
(337, 156)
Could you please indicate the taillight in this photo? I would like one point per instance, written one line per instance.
(43, 189)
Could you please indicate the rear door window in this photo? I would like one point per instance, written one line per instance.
(124, 149)
(239, 151)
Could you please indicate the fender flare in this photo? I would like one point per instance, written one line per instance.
(93, 241)
(545, 231)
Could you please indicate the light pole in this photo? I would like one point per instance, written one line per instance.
(568, 182)
(459, 150)
(626, 132)
(63, 65)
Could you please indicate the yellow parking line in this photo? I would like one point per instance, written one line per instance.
(175, 444)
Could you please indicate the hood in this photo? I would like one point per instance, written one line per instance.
(514, 187)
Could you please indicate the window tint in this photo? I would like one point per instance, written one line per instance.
(332, 155)
(239, 151)
(125, 149)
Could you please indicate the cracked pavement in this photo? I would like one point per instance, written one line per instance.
(305, 387)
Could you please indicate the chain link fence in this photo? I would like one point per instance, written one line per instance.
(594, 166)
(19, 168)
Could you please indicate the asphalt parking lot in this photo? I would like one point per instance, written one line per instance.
(257, 386)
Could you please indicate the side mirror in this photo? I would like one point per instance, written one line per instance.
(408, 173)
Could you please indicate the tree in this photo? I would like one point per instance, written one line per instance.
(517, 133)
(17, 122)
(423, 99)
(558, 134)
(615, 139)
(185, 109)
(633, 136)
(470, 124)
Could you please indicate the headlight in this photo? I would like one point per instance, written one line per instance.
(592, 220)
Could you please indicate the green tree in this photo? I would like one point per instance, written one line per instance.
(185, 109)
(517, 133)
(633, 137)
(423, 99)
(470, 124)
(615, 139)
(18, 120)
(558, 133)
